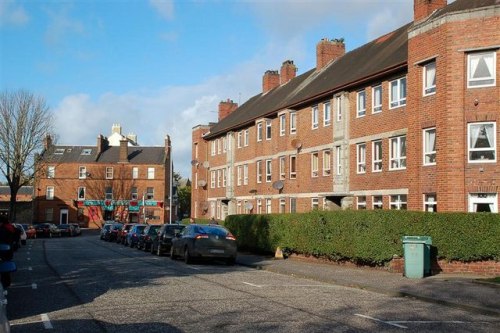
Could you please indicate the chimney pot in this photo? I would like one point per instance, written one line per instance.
(270, 80)
(328, 51)
(423, 8)
(288, 71)
(226, 107)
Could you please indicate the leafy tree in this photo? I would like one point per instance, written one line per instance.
(25, 120)
(184, 195)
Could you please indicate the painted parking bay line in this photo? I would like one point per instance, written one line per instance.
(46, 321)
(380, 320)
(253, 285)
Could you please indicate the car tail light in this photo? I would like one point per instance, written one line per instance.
(230, 237)
(134, 235)
(201, 236)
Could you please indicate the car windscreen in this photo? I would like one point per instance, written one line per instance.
(218, 231)
(140, 228)
(172, 231)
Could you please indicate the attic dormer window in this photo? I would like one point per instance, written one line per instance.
(59, 151)
(86, 151)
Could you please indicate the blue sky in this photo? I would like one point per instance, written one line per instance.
(161, 67)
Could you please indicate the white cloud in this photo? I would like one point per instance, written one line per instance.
(164, 7)
(12, 14)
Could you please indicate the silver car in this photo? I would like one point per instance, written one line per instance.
(199, 241)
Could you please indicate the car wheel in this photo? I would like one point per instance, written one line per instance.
(187, 256)
(172, 253)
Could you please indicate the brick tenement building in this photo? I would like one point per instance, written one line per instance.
(92, 184)
(406, 121)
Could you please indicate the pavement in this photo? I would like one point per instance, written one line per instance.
(464, 291)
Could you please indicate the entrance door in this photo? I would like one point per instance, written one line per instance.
(483, 202)
(63, 219)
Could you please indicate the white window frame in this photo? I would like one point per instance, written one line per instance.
(282, 124)
(219, 178)
(315, 203)
(269, 130)
(377, 202)
(397, 101)
(430, 202)
(377, 105)
(377, 156)
(429, 157)
(361, 202)
(399, 202)
(483, 198)
(314, 117)
(239, 175)
(212, 178)
(259, 206)
(212, 143)
(293, 166)
(338, 108)
(361, 158)
(293, 122)
(49, 193)
(429, 88)
(219, 146)
(338, 160)
(493, 149)
(472, 83)
(327, 162)
(135, 173)
(239, 139)
(245, 174)
(246, 138)
(133, 193)
(108, 195)
(109, 172)
(327, 114)
(259, 131)
(258, 171)
(314, 164)
(282, 204)
(282, 167)
(396, 156)
(269, 206)
(82, 172)
(81, 190)
(51, 171)
(224, 146)
(224, 177)
(361, 103)
(269, 171)
(151, 173)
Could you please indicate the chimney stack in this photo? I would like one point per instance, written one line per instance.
(47, 142)
(287, 72)
(424, 8)
(102, 144)
(123, 157)
(226, 107)
(328, 51)
(270, 81)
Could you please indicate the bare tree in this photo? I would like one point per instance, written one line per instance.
(25, 120)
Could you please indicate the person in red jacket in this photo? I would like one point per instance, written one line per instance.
(8, 235)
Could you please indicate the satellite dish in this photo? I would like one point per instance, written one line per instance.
(249, 206)
(204, 206)
(194, 163)
(278, 185)
(296, 143)
(206, 164)
(202, 183)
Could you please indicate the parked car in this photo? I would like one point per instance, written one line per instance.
(30, 230)
(47, 230)
(134, 233)
(148, 235)
(77, 229)
(22, 234)
(163, 242)
(66, 230)
(113, 232)
(121, 237)
(105, 230)
(198, 241)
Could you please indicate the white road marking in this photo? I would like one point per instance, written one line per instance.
(46, 321)
(379, 320)
(427, 322)
(195, 268)
(253, 285)
(34, 286)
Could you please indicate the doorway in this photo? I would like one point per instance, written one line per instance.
(63, 216)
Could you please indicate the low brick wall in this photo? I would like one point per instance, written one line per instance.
(489, 267)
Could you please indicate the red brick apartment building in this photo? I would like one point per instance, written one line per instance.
(407, 121)
(92, 184)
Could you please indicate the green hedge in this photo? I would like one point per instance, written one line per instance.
(371, 236)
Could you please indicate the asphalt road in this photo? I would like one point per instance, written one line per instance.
(83, 284)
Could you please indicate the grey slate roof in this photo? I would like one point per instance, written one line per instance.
(368, 63)
(73, 154)
(24, 190)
